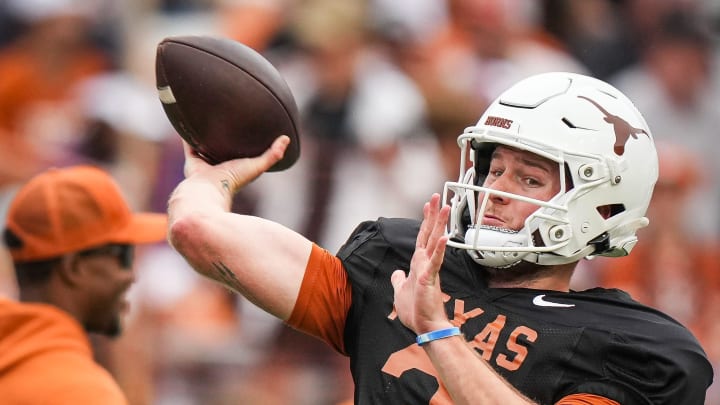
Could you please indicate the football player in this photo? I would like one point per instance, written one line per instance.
(473, 305)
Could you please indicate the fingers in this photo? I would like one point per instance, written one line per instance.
(250, 168)
(425, 229)
(434, 224)
(438, 254)
(417, 296)
(428, 223)
(439, 227)
(397, 278)
(192, 159)
(189, 152)
(241, 170)
(436, 241)
(275, 152)
(431, 242)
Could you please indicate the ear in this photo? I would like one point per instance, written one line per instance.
(70, 270)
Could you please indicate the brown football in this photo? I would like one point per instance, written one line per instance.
(225, 99)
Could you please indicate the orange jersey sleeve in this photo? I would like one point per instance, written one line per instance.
(324, 299)
(586, 399)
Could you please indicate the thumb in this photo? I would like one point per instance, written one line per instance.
(244, 170)
(397, 278)
(272, 154)
(277, 150)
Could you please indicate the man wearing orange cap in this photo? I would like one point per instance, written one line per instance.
(70, 234)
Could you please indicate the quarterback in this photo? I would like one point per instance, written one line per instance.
(473, 304)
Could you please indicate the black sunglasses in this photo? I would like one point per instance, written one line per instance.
(124, 253)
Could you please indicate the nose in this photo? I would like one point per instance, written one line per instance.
(500, 183)
(129, 277)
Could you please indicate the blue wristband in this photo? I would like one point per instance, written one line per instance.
(437, 334)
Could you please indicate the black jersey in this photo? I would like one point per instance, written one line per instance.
(547, 344)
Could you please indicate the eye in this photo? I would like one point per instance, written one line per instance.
(496, 172)
(531, 182)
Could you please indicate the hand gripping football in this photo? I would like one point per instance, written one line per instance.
(225, 99)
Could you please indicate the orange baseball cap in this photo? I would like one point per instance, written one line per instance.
(72, 209)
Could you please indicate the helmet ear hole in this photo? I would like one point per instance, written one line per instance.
(610, 210)
(537, 239)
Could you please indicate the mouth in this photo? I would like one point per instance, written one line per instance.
(493, 221)
(496, 223)
(123, 305)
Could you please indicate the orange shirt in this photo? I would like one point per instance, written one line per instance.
(46, 358)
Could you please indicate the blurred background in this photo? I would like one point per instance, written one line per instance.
(384, 87)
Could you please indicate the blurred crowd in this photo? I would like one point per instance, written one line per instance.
(384, 87)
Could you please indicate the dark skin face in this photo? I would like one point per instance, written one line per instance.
(103, 280)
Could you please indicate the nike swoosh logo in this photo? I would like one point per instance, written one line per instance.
(541, 302)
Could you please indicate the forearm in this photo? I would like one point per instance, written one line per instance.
(467, 377)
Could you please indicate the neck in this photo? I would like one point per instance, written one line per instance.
(47, 295)
(35, 294)
(528, 275)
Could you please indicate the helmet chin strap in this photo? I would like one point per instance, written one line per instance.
(484, 235)
(493, 236)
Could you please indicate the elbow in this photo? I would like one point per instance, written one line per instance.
(185, 236)
(179, 232)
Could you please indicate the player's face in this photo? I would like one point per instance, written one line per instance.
(518, 172)
(110, 276)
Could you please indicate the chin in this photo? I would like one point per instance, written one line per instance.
(115, 328)
(111, 329)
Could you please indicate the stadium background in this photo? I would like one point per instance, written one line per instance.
(384, 87)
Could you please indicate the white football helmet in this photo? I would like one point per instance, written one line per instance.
(606, 155)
